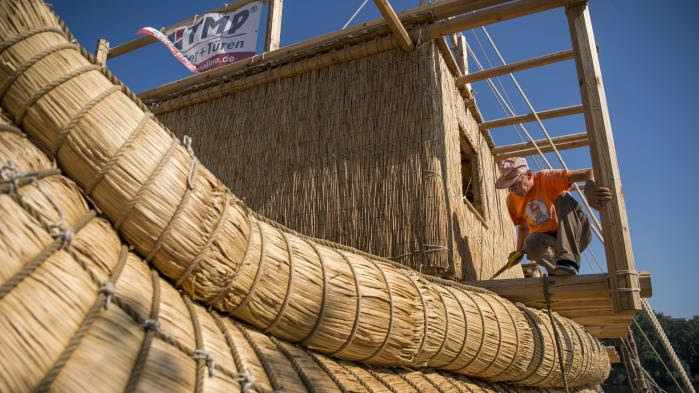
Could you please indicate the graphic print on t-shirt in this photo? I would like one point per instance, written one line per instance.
(537, 212)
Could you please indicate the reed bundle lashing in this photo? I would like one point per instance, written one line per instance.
(83, 314)
(329, 298)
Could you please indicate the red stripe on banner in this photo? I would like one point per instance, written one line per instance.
(174, 51)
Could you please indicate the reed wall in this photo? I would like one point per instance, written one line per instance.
(355, 153)
(484, 238)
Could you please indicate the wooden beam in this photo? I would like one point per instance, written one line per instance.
(548, 114)
(441, 9)
(528, 149)
(101, 51)
(448, 56)
(499, 13)
(615, 226)
(274, 25)
(462, 57)
(613, 355)
(394, 24)
(574, 292)
(517, 66)
(147, 40)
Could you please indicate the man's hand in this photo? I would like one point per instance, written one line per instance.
(598, 197)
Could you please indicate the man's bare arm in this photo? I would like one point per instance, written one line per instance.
(597, 196)
(522, 233)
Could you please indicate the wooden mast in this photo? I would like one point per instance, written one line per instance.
(623, 277)
(274, 25)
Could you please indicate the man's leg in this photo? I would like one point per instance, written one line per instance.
(540, 249)
(573, 232)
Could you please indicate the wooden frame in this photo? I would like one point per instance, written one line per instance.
(274, 25)
(615, 227)
(102, 51)
(547, 114)
(395, 24)
(517, 66)
(527, 148)
(443, 9)
(587, 299)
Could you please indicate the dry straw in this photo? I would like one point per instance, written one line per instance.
(329, 298)
(83, 314)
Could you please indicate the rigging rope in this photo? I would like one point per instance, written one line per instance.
(646, 306)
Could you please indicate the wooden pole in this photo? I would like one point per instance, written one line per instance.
(394, 24)
(491, 15)
(462, 57)
(547, 114)
(274, 25)
(147, 40)
(517, 66)
(613, 354)
(615, 226)
(102, 51)
(527, 148)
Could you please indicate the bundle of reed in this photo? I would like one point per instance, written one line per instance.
(83, 314)
(327, 297)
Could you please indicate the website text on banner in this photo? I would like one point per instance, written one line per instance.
(213, 40)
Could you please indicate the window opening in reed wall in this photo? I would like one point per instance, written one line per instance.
(471, 185)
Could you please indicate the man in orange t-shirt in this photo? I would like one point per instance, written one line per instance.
(551, 227)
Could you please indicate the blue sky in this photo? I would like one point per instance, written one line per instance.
(649, 60)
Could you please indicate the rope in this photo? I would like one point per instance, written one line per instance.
(91, 316)
(390, 315)
(145, 186)
(12, 78)
(497, 323)
(657, 355)
(269, 370)
(207, 245)
(482, 339)
(63, 134)
(381, 379)
(559, 349)
(666, 345)
(202, 357)
(152, 326)
(354, 375)
(47, 88)
(107, 165)
(546, 133)
(463, 343)
(410, 382)
(245, 378)
(29, 267)
(252, 224)
(30, 33)
(253, 286)
(184, 200)
(307, 383)
(289, 286)
(357, 311)
(514, 324)
(323, 300)
(325, 369)
(17, 179)
(595, 228)
(10, 128)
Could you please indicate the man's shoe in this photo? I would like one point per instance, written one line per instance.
(565, 268)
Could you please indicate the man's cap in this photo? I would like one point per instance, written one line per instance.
(511, 169)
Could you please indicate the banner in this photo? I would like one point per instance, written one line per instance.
(213, 40)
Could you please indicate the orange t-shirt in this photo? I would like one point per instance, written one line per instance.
(537, 206)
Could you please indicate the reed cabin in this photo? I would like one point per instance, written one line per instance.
(371, 137)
